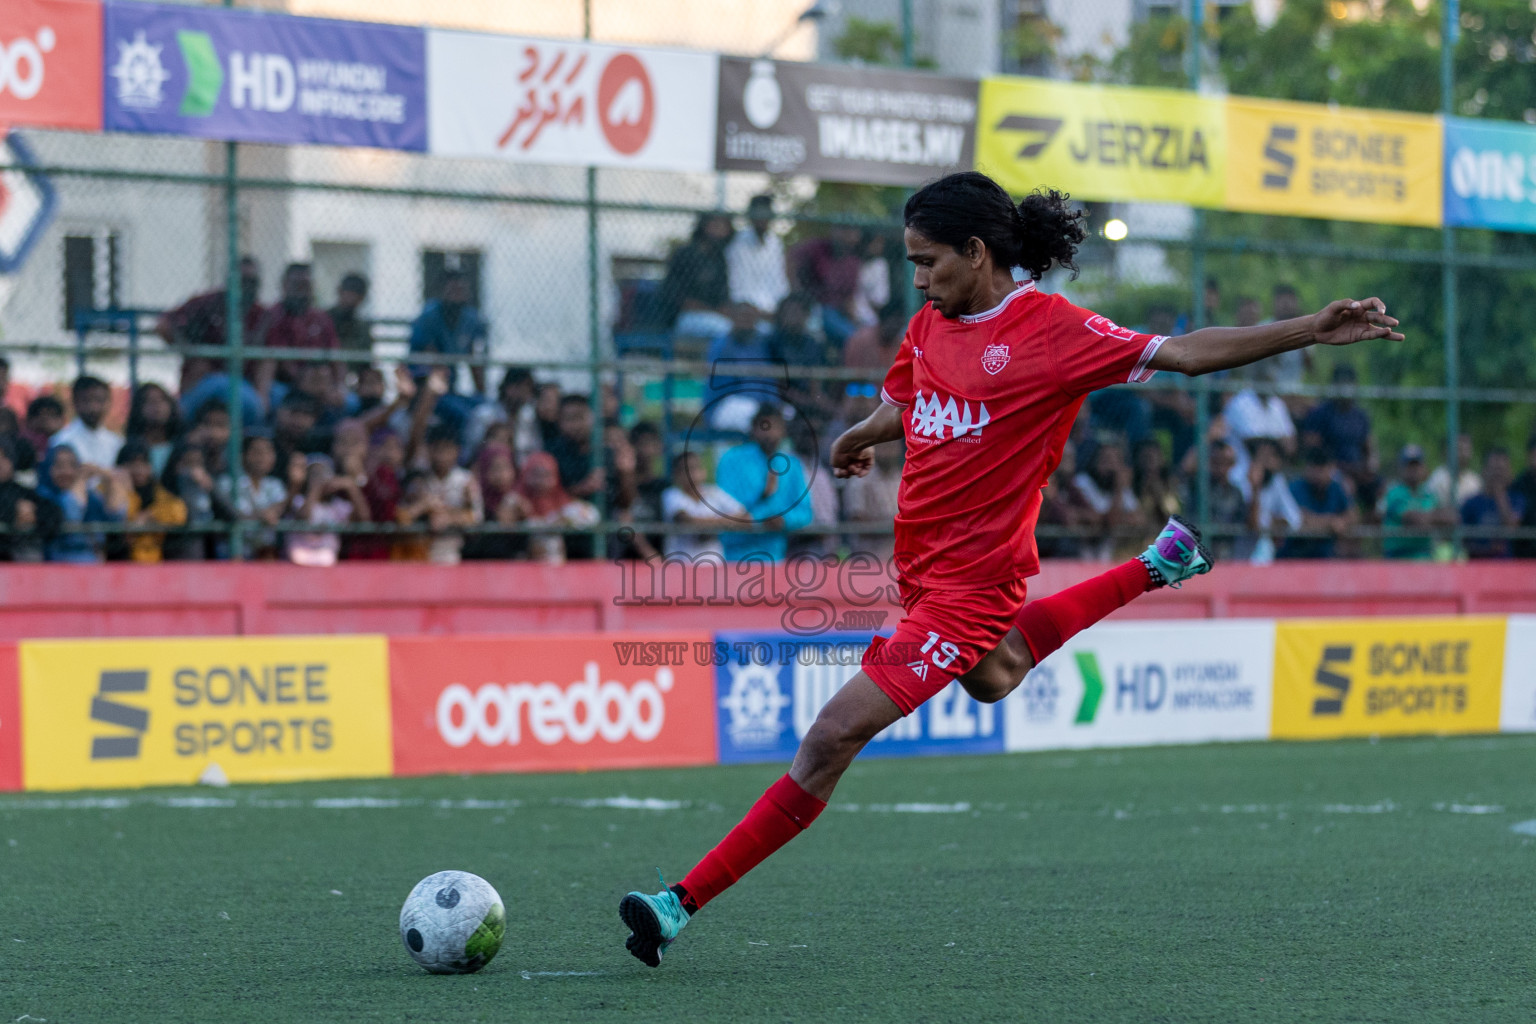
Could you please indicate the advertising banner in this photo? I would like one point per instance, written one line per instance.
(10, 719)
(1490, 175)
(103, 714)
(771, 686)
(1101, 141)
(554, 101)
(1308, 160)
(1517, 710)
(840, 123)
(50, 64)
(551, 703)
(1388, 677)
(1139, 683)
(253, 77)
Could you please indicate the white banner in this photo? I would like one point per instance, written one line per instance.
(553, 101)
(1517, 709)
(1130, 684)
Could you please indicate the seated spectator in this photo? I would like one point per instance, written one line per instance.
(874, 290)
(69, 484)
(148, 503)
(414, 509)
(454, 494)
(696, 289)
(754, 260)
(1468, 482)
(452, 326)
(1152, 483)
(1410, 504)
(95, 446)
(1227, 510)
(1325, 508)
(874, 346)
(260, 497)
(45, 418)
(820, 490)
(200, 321)
(1062, 507)
(155, 422)
(496, 473)
(24, 456)
(1495, 505)
(293, 427)
(650, 483)
(730, 396)
(791, 338)
(1106, 486)
(1344, 432)
(1124, 411)
(1525, 487)
(543, 502)
(580, 475)
(30, 519)
(293, 323)
(767, 481)
(514, 406)
(320, 382)
(871, 498)
(1250, 416)
(828, 268)
(353, 331)
(186, 476)
(546, 410)
(1288, 370)
(694, 501)
(210, 432)
(1272, 507)
(326, 500)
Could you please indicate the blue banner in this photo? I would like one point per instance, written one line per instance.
(250, 77)
(1490, 175)
(770, 686)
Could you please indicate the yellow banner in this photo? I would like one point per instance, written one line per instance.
(1388, 677)
(119, 713)
(1102, 142)
(1307, 160)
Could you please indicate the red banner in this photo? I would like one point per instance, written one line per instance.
(10, 719)
(50, 63)
(550, 703)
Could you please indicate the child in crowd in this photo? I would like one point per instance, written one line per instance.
(146, 501)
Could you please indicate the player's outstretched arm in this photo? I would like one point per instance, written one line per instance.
(853, 452)
(1343, 322)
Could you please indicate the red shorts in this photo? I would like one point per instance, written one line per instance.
(944, 634)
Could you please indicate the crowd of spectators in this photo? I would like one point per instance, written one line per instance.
(423, 463)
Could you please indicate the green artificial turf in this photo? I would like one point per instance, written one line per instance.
(1264, 882)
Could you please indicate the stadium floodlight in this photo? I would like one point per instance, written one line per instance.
(1116, 229)
(816, 13)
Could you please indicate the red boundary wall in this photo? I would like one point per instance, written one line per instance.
(414, 599)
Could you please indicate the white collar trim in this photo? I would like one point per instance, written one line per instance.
(1022, 289)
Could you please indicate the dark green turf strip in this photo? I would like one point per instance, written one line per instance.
(1266, 882)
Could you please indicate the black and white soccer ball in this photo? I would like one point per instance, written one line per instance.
(453, 922)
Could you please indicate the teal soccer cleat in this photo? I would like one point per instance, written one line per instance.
(654, 922)
(1178, 554)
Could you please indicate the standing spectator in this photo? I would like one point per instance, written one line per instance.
(874, 292)
(1495, 505)
(821, 491)
(1288, 370)
(201, 321)
(1228, 509)
(148, 503)
(871, 498)
(293, 323)
(1106, 485)
(514, 406)
(697, 286)
(1410, 504)
(829, 269)
(754, 260)
(694, 501)
(1468, 483)
(1344, 431)
(768, 482)
(155, 422)
(45, 418)
(353, 331)
(452, 326)
(1325, 508)
(94, 445)
(874, 347)
(29, 518)
(1250, 416)
(455, 496)
(1272, 506)
(325, 500)
(67, 482)
(186, 476)
(1525, 487)
(730, 397)
(260, 497)
(543, 502)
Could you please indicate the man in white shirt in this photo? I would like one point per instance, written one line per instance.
(690, 500)
(754, 260)
(95, 444)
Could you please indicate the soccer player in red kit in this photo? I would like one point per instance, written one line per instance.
(985, 388)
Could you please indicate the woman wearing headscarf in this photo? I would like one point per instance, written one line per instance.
(541, 501)
(496, 472)
(64, 481)
(148, 502)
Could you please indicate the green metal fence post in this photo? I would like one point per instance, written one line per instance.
(1449, 277)
(907, 35)
(1197, 291)
(234, 336)
(594, 328)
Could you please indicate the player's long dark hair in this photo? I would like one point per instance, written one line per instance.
(1041, 232)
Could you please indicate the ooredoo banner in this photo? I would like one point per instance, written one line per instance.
(1490, 174)
(10, 719)
(255, 77)
(1517, 710)
(1142, 683)
(104, 714)
(554, 101)
(771, 686)
(1388, 677)
(50, 64)
(840, 123)
(550, 703)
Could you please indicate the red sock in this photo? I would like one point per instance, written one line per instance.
(1052, 621)
(779, 815)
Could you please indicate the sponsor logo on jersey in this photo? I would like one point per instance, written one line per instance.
(1104, 326)
(945, 419)
(994, 358)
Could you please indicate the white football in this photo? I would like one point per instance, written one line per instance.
(452, 922)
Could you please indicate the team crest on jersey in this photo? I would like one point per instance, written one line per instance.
(994, 358)
(1105, 327)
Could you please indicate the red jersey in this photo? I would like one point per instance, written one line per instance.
(990, 400)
